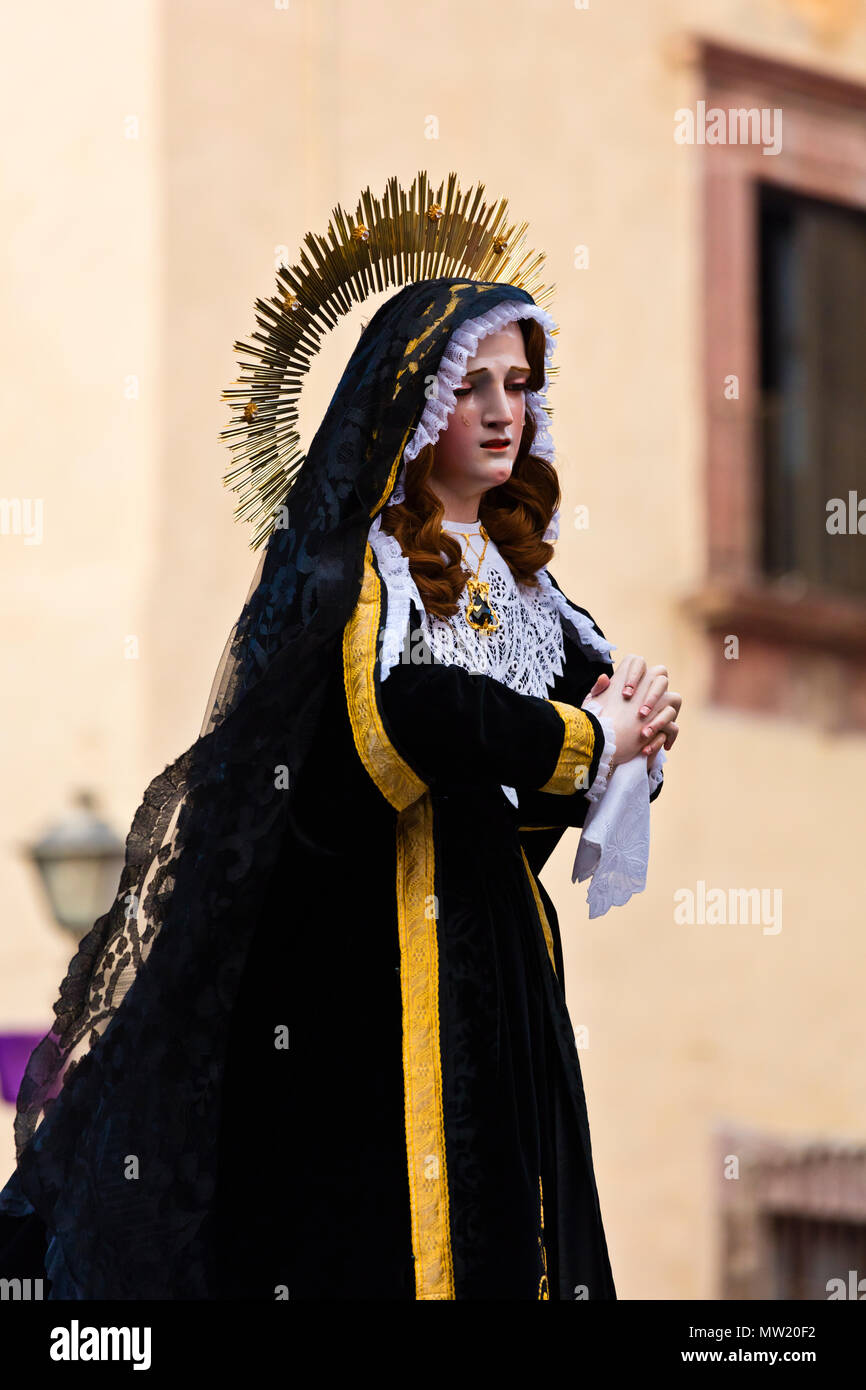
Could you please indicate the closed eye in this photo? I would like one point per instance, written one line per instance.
(513, 386)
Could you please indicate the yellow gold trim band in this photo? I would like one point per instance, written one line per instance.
(391, 773)
(578, 745)
(422, 1061)
(417, 915)
(542, 915)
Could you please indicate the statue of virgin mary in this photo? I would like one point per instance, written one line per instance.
(319, 1047)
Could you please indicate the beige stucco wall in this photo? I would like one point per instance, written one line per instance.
(141, 258)
(80, 309)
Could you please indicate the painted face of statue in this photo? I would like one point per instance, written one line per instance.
(477, 449)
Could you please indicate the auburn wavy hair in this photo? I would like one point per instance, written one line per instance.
(515, 514)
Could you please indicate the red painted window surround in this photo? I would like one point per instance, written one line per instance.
(802, 647)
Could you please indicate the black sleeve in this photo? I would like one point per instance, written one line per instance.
(544, 818)
(457, 726)
(538, 810)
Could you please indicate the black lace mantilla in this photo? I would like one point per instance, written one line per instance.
(131, 1070)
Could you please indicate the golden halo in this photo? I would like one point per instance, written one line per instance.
(411, 235)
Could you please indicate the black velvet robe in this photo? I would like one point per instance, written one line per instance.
(424, 1135)
(443, 1051)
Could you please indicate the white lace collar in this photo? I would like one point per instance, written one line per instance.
(527, 655)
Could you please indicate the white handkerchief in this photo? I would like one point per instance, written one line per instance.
(614, 843)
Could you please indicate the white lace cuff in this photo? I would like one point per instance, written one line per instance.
(602, 777)
(614, 844)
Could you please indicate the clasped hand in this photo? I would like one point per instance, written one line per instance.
(640, 707)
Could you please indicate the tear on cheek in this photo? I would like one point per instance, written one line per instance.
(464, 419)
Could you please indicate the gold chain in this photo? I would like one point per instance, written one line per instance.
(480, 613)
(468, 538)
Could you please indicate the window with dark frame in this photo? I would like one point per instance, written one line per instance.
(812, 420)
(811, 1256)
(792, 1216)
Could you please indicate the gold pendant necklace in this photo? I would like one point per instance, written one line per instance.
(480, 613)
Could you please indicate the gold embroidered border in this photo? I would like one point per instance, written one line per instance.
(389, 486)
(422, 1061)
(391, 773)
(419, 947)
(542, 915)
(543, 1284)
(578, 745)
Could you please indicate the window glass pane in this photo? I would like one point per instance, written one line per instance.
(813, 386)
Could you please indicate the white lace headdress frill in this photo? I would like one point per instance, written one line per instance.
(460, 348)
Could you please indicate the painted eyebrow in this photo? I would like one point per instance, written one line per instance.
(487, 369)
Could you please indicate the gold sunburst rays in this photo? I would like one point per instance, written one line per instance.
(411, 234)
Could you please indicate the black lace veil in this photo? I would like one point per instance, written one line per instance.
(131, 1069)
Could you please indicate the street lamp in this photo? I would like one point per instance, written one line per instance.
(80, 860)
